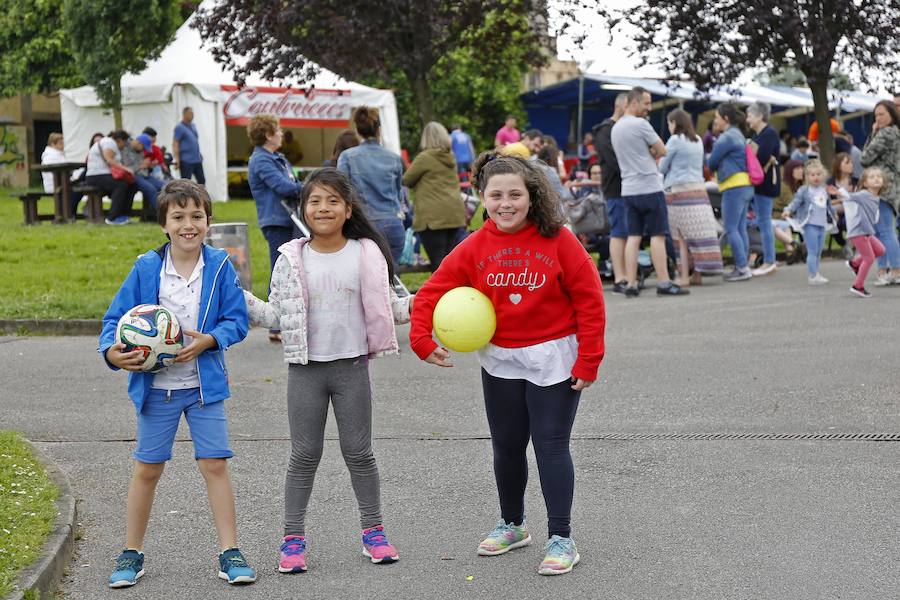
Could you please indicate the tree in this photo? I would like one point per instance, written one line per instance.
(792, 77)
(466, 90)
(110, 38)
(34, 51)
(290, 41)
(714, 41)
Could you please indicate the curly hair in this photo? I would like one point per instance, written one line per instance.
(261, 126)
(544, 203)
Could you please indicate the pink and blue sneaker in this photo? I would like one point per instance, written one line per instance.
(504, 537)
(560, 555)
(377, 547)
(293, 554)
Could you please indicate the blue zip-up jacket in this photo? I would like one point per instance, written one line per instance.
(223, 315)
(728, 154)
(271, 180)
(377, 174)
(799, 206)
(683, 162)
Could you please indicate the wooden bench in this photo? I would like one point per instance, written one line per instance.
(93, 210)
(30, 207)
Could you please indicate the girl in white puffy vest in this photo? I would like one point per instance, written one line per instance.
(332, 299)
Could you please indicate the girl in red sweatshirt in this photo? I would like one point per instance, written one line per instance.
(548, 345)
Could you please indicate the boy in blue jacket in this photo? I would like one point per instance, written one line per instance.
(198, 284)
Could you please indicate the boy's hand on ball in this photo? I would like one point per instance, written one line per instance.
(580, 384)
(439, 357)
(130, 361)
(199, 343)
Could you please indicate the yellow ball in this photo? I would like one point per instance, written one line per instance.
(464, 319)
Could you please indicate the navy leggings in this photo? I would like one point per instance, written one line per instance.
(516, 411)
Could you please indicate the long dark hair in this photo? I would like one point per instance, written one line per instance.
(345, 139)
(788, 175)
(683, 124)
(358, 225)
(892, 110)
(544, 210)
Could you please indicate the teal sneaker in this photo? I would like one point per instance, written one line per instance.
(129, 568)
(504, 538)
(233, 567)
(560, 556)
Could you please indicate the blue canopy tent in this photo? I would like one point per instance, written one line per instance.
(568, 109)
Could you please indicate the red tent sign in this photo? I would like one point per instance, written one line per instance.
(292, 107)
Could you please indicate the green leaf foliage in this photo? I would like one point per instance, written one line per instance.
(470, 88)
(35, 55)
(113, 37)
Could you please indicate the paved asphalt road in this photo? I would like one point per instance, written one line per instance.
(657, 514)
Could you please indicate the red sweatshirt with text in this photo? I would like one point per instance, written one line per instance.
(542, 288)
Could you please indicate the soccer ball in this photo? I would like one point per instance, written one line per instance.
(154, 331)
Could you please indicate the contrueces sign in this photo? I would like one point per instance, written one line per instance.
(293, 107)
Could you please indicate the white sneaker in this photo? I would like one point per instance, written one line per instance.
(816, 280)
(764, 270)
(883, 280)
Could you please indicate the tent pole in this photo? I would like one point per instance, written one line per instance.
(580, 106)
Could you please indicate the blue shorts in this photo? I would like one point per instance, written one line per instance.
(647, 214)
(158, 421)
(615, 213)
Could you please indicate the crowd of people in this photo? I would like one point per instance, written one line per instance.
(664, 192)
(685, 199)
(120, 165)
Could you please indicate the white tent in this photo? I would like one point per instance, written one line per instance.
(186, 75)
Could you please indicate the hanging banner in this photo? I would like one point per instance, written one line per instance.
(292, 107)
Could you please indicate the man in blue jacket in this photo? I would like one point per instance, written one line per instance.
(198, 285)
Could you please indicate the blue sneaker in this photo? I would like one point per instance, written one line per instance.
(233, 567)
(129, 568)
(123, 220)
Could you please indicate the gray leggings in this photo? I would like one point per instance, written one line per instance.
(346, 383)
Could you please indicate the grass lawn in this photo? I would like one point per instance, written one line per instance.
(27, 507)
(72, 271)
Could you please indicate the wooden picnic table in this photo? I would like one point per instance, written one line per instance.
(62, 188)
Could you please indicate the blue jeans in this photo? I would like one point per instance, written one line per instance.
(394, 234)
(763, 206)
(149, 188)
(189, 170)
(735, 203)
(887, 235)
(814, 236)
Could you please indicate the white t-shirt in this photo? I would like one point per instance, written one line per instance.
(182, 297)
(547, 363)
(51, 156)
(96, 162)
(335, 316)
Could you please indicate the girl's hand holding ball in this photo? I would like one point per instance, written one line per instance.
(439, 357)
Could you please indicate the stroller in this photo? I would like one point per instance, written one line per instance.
(293, 211)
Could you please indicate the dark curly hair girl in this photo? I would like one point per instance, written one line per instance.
(544, 204)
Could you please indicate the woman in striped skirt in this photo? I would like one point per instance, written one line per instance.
(691, 220)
